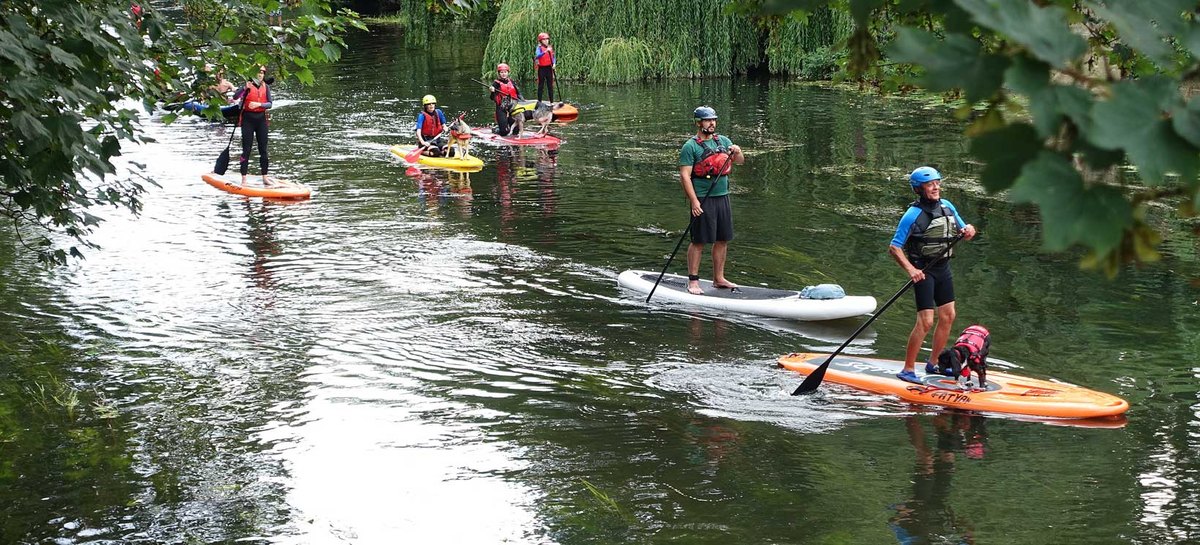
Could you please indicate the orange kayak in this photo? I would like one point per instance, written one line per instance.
(286, 191)
(1005, 393)
(565, 112)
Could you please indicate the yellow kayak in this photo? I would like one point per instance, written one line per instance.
(469, 162)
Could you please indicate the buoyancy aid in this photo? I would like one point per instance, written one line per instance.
(507, 89)
(976, 341)
(933, 231)
(544, 56)
(433, 123)
(255, 93)
(714, 161)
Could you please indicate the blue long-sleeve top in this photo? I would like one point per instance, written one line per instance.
(539, 51)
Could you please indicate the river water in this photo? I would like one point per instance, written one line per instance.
(446, 358)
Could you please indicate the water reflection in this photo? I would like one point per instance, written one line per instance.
(441, 189)
(264, 244)
(928, 515)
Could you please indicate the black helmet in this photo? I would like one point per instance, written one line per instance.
(704, 112)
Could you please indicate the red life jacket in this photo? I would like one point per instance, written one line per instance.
(507, 88)
(975, 341)
(547, 58)
(432, 125)
(715, 161)
(255, 94)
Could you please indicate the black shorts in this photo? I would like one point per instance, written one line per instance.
(715, 224)
(936, 289)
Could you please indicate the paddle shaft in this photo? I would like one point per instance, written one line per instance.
(687, 230)
(814, 379)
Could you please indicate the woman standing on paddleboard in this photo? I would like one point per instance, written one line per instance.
(256, 100)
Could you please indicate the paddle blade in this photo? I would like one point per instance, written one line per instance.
(222, 163)
(813, 381)
(412, 156)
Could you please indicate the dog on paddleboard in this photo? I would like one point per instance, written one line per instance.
(968, 354)
(460, 139)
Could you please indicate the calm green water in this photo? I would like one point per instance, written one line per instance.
(447, 358)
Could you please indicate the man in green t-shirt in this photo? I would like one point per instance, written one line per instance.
(704, 165)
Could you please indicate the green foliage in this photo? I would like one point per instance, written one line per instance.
(621, 60)
(70, 71)
(808, 46)
(1070, 90)
(624, 40)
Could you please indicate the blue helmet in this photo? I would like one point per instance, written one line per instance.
(704, 112)
(922, 175)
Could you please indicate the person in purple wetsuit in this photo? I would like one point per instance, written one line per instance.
(927, 228)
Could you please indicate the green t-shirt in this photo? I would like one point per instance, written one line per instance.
(690, 154)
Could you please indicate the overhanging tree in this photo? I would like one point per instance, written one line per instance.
(1073, 91)
(67, 66)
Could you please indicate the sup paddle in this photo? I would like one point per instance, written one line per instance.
(223, 159)
(813, 380)
(686, 231)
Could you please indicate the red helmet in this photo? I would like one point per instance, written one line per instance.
(543, 36)
(502, 66)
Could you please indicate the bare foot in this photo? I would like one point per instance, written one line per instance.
(694, 287)
(724, 284)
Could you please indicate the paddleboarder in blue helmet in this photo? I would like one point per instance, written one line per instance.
(926, 230)
(704, 165)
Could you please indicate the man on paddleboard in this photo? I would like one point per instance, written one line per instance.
(704, 165)
(925, 232)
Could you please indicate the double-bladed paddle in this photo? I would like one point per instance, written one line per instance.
(813, 380)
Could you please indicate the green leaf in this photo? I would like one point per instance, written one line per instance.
(956, 62)
(11, 50)
(331, 52)
(305, 76)
(226, 34)
(29, 126)
(1044, 31)
(1071, 213)
(1186, 121)
(1048, 103)
(62, 57)
(1192, 40)
(1004, 152)
(1132, 119)
(1145, 25)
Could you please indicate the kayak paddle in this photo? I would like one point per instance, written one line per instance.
(412, 156)
(813, 380)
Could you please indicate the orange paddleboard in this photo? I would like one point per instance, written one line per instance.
(285, 191)
(1005, 393)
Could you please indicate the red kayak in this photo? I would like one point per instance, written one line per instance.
(526, 139)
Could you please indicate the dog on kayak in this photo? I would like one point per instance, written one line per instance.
(460, 138)
(968, 354)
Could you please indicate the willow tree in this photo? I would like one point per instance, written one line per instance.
(1074, 93)
(625, 40)
(68, 67)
